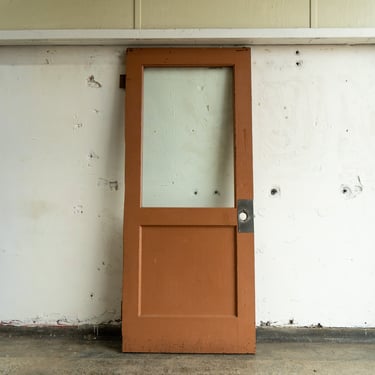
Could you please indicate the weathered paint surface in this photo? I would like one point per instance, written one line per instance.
(61, 157)
(314, 181)
(61, 201)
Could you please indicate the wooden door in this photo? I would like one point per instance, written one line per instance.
(188, 267)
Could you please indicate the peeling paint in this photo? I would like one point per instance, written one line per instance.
(352, 191)
(78, 125)
(91, 82)
(93, 155)
(113, 185)
(78, 209)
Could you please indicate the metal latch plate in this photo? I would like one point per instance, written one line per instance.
(245, 216)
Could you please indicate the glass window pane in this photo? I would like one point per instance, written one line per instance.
(187, 142)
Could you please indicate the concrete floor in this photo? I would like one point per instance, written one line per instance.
(29, 355)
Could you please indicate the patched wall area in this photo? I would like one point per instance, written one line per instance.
(62, 162)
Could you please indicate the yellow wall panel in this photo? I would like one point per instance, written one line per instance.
(66, 14)
(343, 13)
(224, 13)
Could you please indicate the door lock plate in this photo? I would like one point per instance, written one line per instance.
(245, 216)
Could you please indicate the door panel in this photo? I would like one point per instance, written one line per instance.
(188, 272)
(175, 279)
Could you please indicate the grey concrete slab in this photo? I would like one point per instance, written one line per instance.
(28, 355)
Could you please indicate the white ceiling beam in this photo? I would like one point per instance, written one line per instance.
(188, 37)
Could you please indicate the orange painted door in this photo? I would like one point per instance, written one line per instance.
(188, 282)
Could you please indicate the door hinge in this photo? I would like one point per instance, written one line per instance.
(245, 216)
(122, 81)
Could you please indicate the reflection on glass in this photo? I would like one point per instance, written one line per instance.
(187, 145)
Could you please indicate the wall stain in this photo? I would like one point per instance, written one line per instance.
(91, 82)
(93, 155)
(113, 185)
(351, 192)
(38, 208)
(268, 323)
(78, 209)
(78, 125)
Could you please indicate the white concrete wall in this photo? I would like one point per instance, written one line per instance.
(61, 197)
(61, 154)
(314, 140)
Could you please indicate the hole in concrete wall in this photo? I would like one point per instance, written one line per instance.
(93, 155)
(346, 190)
(352, 191)
(297, 52)
(275, 191)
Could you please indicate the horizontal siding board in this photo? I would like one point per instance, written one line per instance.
(66, 14)
(343, 13)
(224, 13)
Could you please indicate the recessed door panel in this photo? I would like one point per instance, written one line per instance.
(175, 277)
(188, 270)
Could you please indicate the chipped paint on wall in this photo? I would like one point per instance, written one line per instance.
(314, 180)
(61, 233)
